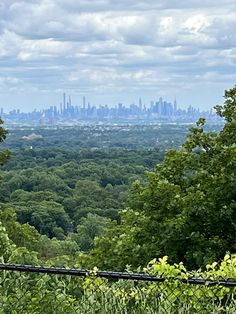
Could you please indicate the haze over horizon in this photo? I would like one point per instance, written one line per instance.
(116, 52)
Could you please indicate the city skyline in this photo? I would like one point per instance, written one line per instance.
(85, 102)
(68, 112)
(79, 101)
(115, 51)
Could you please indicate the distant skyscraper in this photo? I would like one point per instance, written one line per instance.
(84, 103)
(140, 104)
(175, 106)
(69, 101)
(64, 101)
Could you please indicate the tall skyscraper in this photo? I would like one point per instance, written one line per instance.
(140, 104)
(175, 106)
(64, 101)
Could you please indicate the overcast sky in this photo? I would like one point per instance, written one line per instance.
(116, 51)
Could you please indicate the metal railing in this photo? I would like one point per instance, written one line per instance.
(47, 290)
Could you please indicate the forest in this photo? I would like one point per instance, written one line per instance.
(64, 186)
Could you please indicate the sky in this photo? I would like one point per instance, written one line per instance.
(116, 51)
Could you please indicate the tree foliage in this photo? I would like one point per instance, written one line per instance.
(4, 155)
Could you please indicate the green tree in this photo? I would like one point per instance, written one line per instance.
(5, 244)
(4, 155)
(187, 208)
(22, 235)
(48, 217)
(89, 227)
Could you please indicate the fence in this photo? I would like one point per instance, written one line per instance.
(46, 290)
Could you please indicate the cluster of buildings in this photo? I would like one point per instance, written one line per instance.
(159, 111)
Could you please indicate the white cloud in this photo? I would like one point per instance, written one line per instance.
(117, 47)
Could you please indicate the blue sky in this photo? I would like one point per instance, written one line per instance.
(116, 51)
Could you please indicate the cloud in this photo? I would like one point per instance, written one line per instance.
(117, 47)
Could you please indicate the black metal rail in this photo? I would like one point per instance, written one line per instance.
(113, 275)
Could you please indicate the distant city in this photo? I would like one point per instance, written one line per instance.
(68, 113)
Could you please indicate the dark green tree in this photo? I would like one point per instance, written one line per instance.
(4, 155)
